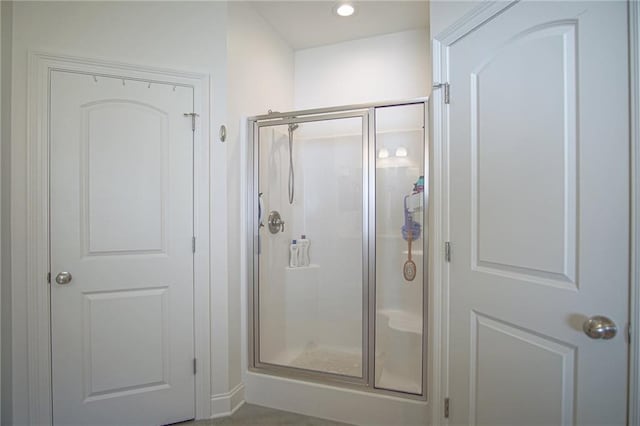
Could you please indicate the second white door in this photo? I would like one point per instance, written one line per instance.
(539, 166)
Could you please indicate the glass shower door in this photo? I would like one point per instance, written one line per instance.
(312, 260)
(401, 233)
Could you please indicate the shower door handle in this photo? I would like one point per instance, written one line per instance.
(260, 211)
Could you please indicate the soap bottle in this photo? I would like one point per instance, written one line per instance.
(293, 254)
(304, 244)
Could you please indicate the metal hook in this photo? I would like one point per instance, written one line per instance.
(174, 88)
(123, 81)
(149, 85)
(95, 79)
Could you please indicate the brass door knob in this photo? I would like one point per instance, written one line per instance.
(599, 327)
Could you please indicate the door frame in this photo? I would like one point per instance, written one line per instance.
(39, 361)
(634, 88)
(485, 11)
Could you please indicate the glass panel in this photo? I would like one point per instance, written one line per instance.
(400, 264)
(311, 292)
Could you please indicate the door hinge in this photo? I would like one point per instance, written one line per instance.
(446, 408)
(49, 277)
(193, 244)
(193, 116)
(194, 366)
(447, 251)
(446, 88)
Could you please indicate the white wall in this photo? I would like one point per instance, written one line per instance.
(2, 334)
(5, 248)
(260, 78)
(184, 36)
(388, 67)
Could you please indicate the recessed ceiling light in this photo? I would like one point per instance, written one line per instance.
(345, 9)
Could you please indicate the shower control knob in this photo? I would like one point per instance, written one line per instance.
(276, 224)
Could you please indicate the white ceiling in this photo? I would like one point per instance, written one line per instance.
(304, 24)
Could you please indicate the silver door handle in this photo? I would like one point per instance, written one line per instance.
(599, 327)
(260, 210)
(63, 278)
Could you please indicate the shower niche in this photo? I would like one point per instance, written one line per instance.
(339, 280)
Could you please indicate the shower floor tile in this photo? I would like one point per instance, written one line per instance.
(330, 361)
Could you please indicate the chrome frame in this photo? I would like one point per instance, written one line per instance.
(426, 237)
(254, 359)
(367, 113)
(343, 108)
(370, 239)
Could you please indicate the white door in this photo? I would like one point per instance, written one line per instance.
(121, 212)
(539, 230)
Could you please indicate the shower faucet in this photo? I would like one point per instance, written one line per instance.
(276, 224)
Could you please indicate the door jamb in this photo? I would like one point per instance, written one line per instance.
(634, 92)
(37, 254)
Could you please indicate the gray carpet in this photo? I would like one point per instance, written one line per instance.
(254, 415)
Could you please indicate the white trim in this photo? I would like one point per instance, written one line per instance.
(634, 70)
(225, 404)
(477, 16)
(327, 401)
(38, 309)
(243, 140)
(441, 196)
(439, 305)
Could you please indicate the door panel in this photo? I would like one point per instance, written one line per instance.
(540, 131)
(539, 215)
(121, 224)
(143, 134)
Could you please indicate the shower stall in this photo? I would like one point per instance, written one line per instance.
(338, 246)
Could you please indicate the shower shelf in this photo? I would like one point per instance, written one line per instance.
(414, 202)
(402, 321)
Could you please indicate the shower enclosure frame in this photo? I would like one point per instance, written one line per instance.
(369, 309)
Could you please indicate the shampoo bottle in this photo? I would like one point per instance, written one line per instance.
(303, 254)
(293, 255)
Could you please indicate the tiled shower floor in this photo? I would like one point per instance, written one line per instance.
(330, 361)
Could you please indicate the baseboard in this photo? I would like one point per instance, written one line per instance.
(333, 402)
(225, 404)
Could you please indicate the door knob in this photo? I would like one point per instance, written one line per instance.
(599, 327)
(63, 278)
